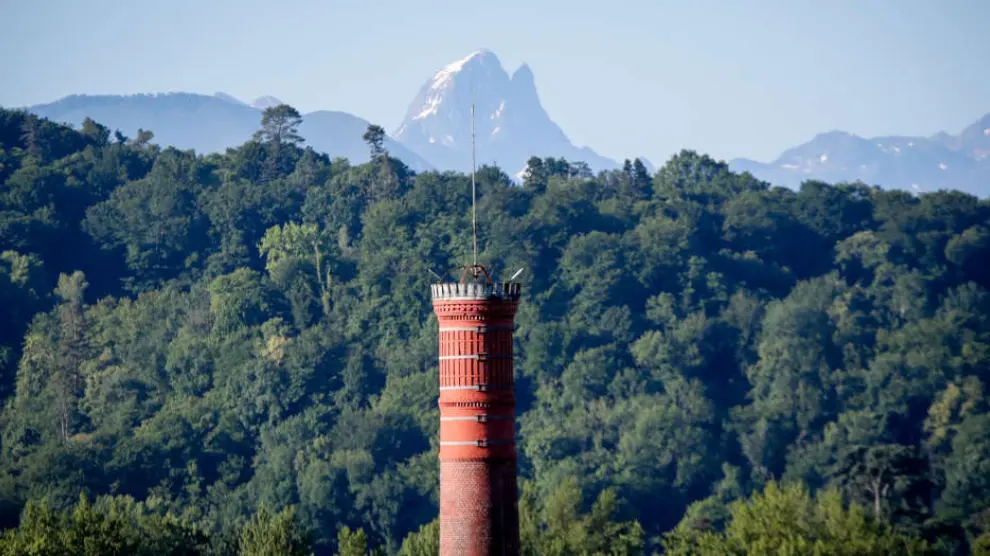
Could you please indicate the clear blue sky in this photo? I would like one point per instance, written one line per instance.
(628, 78)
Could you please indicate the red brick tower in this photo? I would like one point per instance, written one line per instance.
(479, 513)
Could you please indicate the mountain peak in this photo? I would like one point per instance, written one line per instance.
(523, 72)
(835, 134)
(456, 85)
(511, 124)
(266, 101)
(939, 161)
(479, 58)
(523, 77)
(978, 131)
(524, 93)
(229, 98)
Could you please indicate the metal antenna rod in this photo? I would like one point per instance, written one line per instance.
(474, 210)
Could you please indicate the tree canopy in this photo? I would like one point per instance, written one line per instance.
(235, 353)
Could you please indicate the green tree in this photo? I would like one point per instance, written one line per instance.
(424, 542)
(352, 542)
(114, 525)
(238, 300)
(274, 534)
(536, 174)
(788, 520)
(284, 248)
(142, 140)
(23, 284)
(877, 474)
(279, 124)
(71, 349)
(555, 525)
(374, 136)
(98, 134)
(293, 240)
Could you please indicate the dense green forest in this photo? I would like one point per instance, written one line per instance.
(235, 353)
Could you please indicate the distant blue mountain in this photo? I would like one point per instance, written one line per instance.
(214, 123)
(513, 126)
(942, 161)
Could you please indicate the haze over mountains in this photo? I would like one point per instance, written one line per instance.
(942, 161)
(212, 123)
(511, 125)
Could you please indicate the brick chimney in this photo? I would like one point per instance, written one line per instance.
(479, 512)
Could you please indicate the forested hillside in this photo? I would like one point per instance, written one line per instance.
(236, 353)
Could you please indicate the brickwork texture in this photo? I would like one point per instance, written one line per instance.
(478, 508)
(478, 491)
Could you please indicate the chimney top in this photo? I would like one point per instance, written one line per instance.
(507, 291)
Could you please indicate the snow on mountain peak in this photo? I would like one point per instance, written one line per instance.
(498, 111)
(432, 106)
(445, 76)
(511, 123)
(436, 90)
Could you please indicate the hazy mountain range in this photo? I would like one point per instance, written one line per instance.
(511, 125)
(212, 123)
(942, 161)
